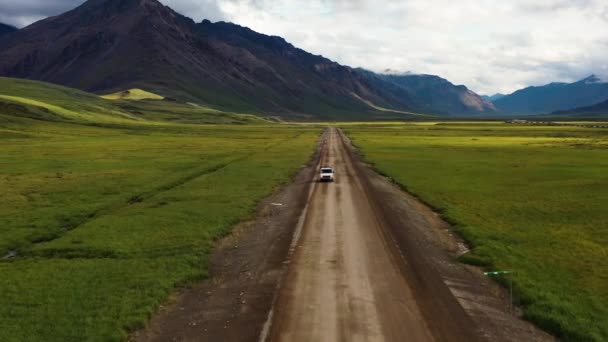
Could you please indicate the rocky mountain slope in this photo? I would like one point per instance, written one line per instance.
(106, 46)
(111, 45)
(435, 94)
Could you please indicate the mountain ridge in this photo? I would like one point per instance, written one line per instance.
(555, 96)
(6, 29)
(107, 46)
(434, 93)
(144, 44)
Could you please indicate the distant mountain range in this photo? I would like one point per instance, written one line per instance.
(106, 46)
(492, 98)
(595, 111)
(433, 93)
(554, 97)
(4, 29)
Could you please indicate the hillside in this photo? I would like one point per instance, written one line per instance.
(599, 110)
(5, 29)
(49, 102)
(554, 97)
(144, 44)
(434, 94)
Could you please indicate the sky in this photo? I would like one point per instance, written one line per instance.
(488, 45)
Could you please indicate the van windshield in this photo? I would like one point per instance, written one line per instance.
(326, 171)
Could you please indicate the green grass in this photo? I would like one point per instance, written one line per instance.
(176, 112)
(108, 215)
(106, 222)
(44, 101)
(528, 199)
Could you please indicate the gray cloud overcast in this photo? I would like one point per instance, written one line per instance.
(489, 45)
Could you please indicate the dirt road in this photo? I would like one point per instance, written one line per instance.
(354, 260)
(346, 280)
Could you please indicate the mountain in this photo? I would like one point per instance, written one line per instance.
(105, 46)
(4, 29)
(554, 97)
(434, 94)
(492, 98)
(599, 110)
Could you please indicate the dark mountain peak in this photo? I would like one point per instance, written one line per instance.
(591, 79)
(117, 34)
(107, 11)
(121, 4)
(5, 29)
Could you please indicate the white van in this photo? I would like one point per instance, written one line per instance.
(327, 174)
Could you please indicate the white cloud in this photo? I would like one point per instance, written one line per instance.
(489, 45)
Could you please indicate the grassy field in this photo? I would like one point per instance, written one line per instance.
(102, 216)
(528, 199)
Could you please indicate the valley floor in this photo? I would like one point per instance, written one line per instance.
(101, 222)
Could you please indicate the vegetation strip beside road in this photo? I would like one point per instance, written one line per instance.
(147, 203)
(527, 199)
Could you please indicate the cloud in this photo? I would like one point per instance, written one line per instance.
(23, 12)
(488, 45)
